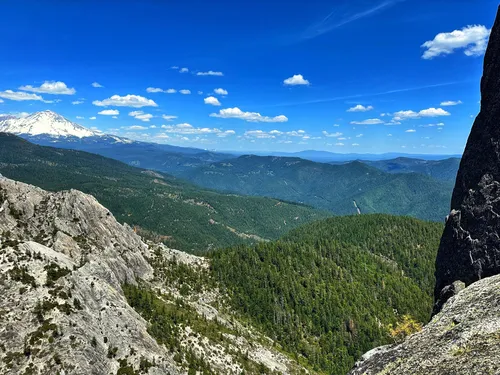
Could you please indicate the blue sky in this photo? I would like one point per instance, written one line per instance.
(365, 76)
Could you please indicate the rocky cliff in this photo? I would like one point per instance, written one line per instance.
(464, 334)
(470, 246)
(83, 294)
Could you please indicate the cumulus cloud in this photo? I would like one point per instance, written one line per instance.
(135, 127)
(261, 134)
(471, 39)
(210, 73)
(76, 102)
(295, 80)
(451, 103)
(296, 133)
(359, 135)
(247, 116)
(440, 124)
(339, 144)
(140, 115)
(169, 117)
(109, 112)
(186, 129)
(226, 133)
(134, 101)
(183, 70)
(410, 131)
(93, 118)
(97, 85)
(370, 121)
(220, 91)
(50, 87)
(153, 89)
(80, 117)
(212, 101)
(332, 135)
(19, 96)
(185, 92)
(360, 108)
(170, 91)
(429, 112)
(200, 92)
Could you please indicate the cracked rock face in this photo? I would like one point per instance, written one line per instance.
(64, 261)
(464, 338)
(470, 246)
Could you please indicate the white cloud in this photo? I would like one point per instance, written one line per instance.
(140, 115)
(19, 96)
(472, 39)
(76, 102)
(200, 92)
(50, 87)
(389, 135)
(186, 128)
(355, 144)
(339, 144)
(170, 91)
(109, 112)
(135, 127)
(296, 133)
(93, 118)
(360, 108)
(210, 73)
(258, 134)
(220, 91)
(359, 135)
(430, 112)
(226, 133)
(152, 127)
(183, 70)
(174, 67)
(333, 135)
(185, 92)
(153, 89)
(96, 85)
(134, 101)
(275, 132)
(169, 117)
(114, 117)
(410, 131)
(451, 103)
(247, 116)
(336, 125)
(370, 121)
(432, 125)
(212, 101)
(295, 80)
(80, 117)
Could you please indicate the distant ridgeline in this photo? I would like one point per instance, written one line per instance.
(334, 187)
(328, 290)
(162, 207)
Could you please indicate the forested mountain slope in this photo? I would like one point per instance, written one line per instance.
(442, 170)
(328, 290)
(178, 213)
(330, 187)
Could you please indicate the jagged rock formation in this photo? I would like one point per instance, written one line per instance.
(464, 338)
(464, 334)
(64, 261)
(470, 246)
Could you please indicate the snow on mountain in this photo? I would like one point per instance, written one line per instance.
(46, 123)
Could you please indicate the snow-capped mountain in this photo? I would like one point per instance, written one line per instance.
(45, 123)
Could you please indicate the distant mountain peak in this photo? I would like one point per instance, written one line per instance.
(45, 122)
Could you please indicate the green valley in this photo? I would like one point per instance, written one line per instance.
(328, 290)
(329, 187)
(161, 206)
